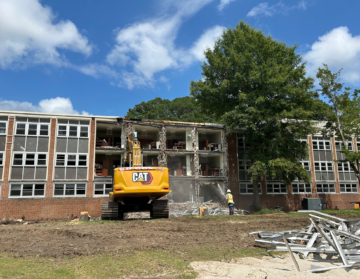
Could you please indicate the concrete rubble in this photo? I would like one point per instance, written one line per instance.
(335, 237)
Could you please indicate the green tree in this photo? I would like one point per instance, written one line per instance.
(343, 121)
(179, 109)
(259, 87)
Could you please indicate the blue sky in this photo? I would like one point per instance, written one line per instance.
(103, 57)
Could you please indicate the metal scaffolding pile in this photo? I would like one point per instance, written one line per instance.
(330, 235)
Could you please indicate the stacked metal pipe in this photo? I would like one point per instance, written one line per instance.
(326, 234)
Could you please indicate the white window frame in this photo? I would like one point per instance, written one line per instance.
(2, 158)
(306, 186)
(324, 143)
(22, 189)
(246, 167)
(4, 122)
(303, 163)
(338, 145)
(342, 165)
(273, 188)
(78, 130)
(248, 187)
(103, 184)
(327, 164)
(36, 158)
(38, 129)
(322, 187)
(351, 184)
(64, 190)
(77, 156)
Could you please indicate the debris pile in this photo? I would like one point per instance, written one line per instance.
(192, 208)
(326, 234)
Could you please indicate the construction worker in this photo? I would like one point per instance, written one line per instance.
(230, 201)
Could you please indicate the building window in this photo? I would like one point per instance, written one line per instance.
(71, 128)
(244, 165)
(348, 188)
(65, 190)
(248, 188)
(31, 129)
(306, 165)
(27, 190)
(344, 167)
(1, 158)
(2, 128)
(321, 144)
(276, 188)
(339, 145)
(102, 189)
(325, 188)
(71, 160)
(29, 159)
(301, 188)
(323, 166)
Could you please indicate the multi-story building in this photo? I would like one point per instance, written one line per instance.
(54, 166)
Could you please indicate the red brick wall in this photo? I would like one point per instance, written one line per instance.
(50, 208)
(8, 148)
(90, 184)
(49, 183)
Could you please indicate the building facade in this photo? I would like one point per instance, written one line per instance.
(55, 166)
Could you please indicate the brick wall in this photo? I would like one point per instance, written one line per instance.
(7, 160)
(91, 161)
(50, 208)
(51, 159)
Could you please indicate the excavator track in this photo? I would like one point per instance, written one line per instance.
(110, 211)
(160, 208)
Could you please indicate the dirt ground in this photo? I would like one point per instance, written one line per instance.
(71, 239)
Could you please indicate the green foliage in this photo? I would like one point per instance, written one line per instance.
(259, 85)
(343, 119)
(180, 109)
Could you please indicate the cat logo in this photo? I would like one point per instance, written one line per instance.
(144, 177)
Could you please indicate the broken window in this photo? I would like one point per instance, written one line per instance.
(102, 189)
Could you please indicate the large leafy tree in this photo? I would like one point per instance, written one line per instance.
(343, 120)
(179, 109)
(259, 87)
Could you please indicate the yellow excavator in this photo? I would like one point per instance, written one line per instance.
(137, 188)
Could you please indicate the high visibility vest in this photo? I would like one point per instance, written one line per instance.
(230, 198)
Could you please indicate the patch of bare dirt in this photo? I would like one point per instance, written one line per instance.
(69, 239)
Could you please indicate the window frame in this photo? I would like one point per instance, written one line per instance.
(338, 145)
(351, 186)
(65, 189)
(342, 164)
(298, 192)
(4, 122)
(78, 130)
(24, 155)
(273, 193)
(323, 188)
(66, 159)
(103, 189)
(2, 158)
(326, 166)
(22, 190)
(27, 128)
(247, 189)
(323, 141)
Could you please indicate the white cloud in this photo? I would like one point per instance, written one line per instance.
(54, 105)
(205, 41)
(30, 36)
(224, 3)
(266, 10)
(338, 49)
(144, 49)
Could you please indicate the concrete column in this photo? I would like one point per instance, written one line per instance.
(188, 165)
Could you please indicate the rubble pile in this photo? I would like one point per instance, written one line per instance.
(336, 237)
(192, 208)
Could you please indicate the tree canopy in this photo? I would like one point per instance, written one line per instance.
(343, 118)
(258, 86)
(179, 109)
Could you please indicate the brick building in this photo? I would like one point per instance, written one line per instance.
(54, 166)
